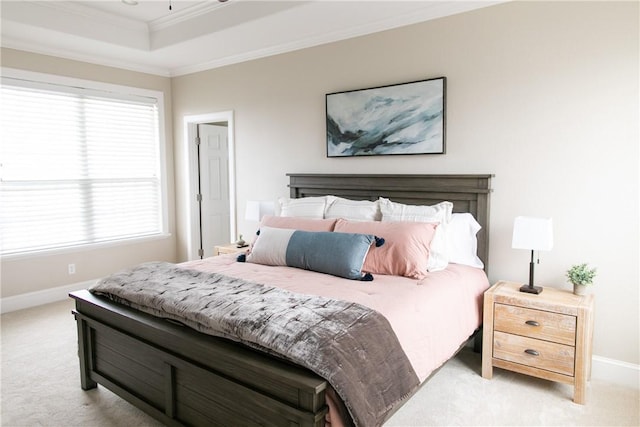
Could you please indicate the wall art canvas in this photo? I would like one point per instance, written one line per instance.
(407, 118)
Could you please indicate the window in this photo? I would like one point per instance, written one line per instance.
(78, 165)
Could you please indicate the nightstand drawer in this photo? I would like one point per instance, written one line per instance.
(544, 325)
(535, 353)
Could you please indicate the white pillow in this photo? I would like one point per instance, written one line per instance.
(392, 211)
(462, 243)
(306, 207)
(440, 213)
(352, 210)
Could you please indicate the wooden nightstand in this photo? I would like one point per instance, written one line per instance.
(547, 335)
(231, 248)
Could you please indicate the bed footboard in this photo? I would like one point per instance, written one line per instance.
(182, 377)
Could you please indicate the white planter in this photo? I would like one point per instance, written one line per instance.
(580, 289)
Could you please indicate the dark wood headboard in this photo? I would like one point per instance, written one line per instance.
(468, 193)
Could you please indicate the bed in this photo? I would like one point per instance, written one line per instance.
(181, 376)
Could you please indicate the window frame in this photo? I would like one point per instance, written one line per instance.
(72, 82)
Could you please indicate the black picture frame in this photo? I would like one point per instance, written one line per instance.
(398, 119)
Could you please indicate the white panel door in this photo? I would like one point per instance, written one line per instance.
(214, 187)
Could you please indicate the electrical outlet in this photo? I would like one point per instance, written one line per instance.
(72, 269)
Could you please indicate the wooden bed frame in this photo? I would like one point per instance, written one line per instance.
(183, 377)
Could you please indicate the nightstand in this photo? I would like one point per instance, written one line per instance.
(231, 248)
(547, 335)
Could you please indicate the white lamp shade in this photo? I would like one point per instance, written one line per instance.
(532, 233)
(256, 209)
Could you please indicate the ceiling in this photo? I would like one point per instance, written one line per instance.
(199, 35)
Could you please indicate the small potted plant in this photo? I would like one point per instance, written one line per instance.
(581, 276)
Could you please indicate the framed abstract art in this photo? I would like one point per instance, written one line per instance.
(407, 118)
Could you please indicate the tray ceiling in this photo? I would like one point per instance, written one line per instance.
(199, 35)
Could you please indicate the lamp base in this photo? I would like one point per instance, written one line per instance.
(531, 289)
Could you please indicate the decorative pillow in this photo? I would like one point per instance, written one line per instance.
(392, 211)
(441, 213)
(406, 247)
(306, 207)
(355, 210)
(339, 254)
(295, 223)
(462, 243)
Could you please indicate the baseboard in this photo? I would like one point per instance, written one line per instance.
(615, 371)
(33, 299)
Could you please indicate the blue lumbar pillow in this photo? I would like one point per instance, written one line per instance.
(339, 254)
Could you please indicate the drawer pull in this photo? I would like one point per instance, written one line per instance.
(532, 323)
(532, 352)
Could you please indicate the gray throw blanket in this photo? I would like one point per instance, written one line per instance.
(349, 345)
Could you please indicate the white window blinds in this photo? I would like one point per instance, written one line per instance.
(78, 166)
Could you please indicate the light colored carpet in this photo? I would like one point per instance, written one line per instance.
(41, 387)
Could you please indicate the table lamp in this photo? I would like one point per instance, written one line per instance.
(256, 209)
(534, 234)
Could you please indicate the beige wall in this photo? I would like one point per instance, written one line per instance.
(543, 95)
(38, 273)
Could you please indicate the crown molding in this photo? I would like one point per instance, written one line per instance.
(184, 15)
(8, 42)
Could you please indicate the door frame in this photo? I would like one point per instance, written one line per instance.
(190, 131)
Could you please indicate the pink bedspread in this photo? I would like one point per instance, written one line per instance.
(432, 317)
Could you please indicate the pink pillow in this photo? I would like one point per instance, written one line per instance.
(406, 248)
(296, 223)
